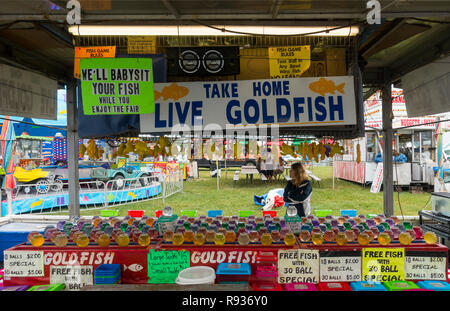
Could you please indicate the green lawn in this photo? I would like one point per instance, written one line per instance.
(202, 195)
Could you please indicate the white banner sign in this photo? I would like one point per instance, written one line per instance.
(302, 102)
(27, 94)
(378, 179)
(23, 263)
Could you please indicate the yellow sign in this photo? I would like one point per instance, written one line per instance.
(289, 61)
(91, 52)
(383, 264)
(141, 44)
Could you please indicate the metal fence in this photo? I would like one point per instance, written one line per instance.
(52, 197)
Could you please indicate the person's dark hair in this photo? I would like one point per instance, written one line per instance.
(299, 174)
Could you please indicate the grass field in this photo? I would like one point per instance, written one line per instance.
(202, 195)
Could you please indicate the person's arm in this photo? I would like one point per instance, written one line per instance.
(302, 192)
(287, 191)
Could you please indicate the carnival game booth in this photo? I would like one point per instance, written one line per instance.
(261, 252)
(414, 164)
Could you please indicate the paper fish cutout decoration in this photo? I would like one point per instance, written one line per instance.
(172, 91)
(324, 86)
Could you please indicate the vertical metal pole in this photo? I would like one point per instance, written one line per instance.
(388, 183)
(72, 151)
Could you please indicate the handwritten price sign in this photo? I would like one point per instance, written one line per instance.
(23, 263)
(383, 265)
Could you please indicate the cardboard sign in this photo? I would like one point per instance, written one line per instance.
(298, 266)
(298, 102)
(23, 263)
(383, 264)
(74, 277)
(117, 86)
(289, 61)
(340, 269)
(141, 44)
(91, 52)
(164, 266)
(27, 94)
(426, 267)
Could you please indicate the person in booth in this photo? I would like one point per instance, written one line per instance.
(298, 190)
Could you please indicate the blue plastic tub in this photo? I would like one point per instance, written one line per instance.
(107, 274)
(434, 285)
(349, 212)
(367, 286)
(229, 273)
(13, 234)
(214, 213)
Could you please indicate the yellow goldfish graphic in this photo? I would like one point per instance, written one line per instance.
(37, 203)
(63, 112)
(131, 194)
(173, 91)
(323, 86)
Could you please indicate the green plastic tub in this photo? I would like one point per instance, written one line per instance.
(323, 212)
(109, 213)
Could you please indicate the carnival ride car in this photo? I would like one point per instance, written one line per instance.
(120, 174)
(36, 179)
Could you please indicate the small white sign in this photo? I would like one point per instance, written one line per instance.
(378, 179)
(74, 277)
(23, 263)
(340, 269)
(298, 266)
(425, 268)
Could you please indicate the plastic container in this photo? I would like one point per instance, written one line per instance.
(306, 287)
(12, 234)
(418, 290)
(334, 286)
(109, 213)
(400, 285)
(368, 286)
(196, 276)
(246, 213)
(47, 288)
(434, 285)
(228, 273)
(188, 213)
(20, 288)
(135, 213)
(266, 259)
(349, 212)
(107, 274)
(266, 286)
(323, 212)
(266, 272)
(270, 213)
(215, 213)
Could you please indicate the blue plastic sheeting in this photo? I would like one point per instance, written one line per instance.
(39, 203)
(397, 159)
(112, 125)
